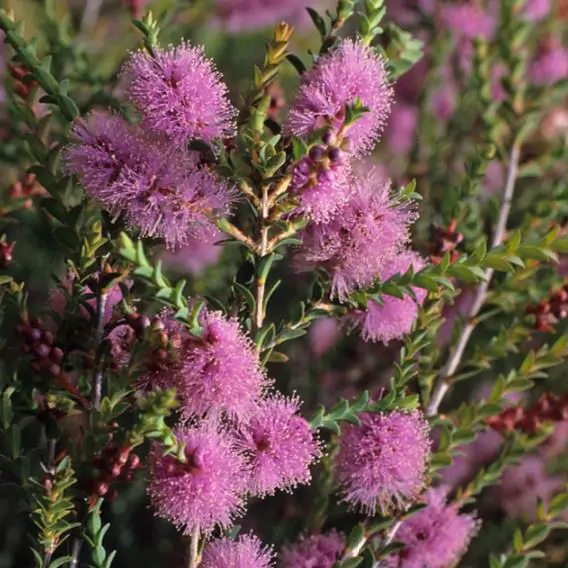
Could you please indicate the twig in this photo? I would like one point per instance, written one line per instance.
(76, 552)
(444, 380)
(194, 550)
(98, 374)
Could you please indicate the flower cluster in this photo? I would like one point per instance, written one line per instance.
(145, 172)
(359, 228)
(238, 437)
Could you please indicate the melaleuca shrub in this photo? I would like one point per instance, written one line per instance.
(291, 298)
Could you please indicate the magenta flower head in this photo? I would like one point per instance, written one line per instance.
(156, 187)
(357, 244)
(395, 316)
(164, 199)
(349, 72)
(320, 191)
(317, 551)
(279, 445)
(220, 371)
(240, 15)
(437, 536)
(245, 552)
(204, 492)
(180, 94)
(382, 462)
(106, 147)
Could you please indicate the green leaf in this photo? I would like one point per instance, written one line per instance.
(318, 21)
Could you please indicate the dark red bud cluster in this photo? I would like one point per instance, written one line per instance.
(115, 465)
(23, 83)
(548, 408)
(6, 254)
(444, 241)
(46, 357)
(551, 310)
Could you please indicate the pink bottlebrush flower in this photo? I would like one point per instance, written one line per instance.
(220, 371)
(180, 94)
(241, 15)
(315, 551)
(279, 446)
(323, 335)
(321, 191)
(106, 147)
(550, 66)
(437, 536)
(523, 483)
(155, 186)
(395, 316)
(245, 552)
(382, 463)
(204, 492)
(468, 20)
(536, 10)
(366, 233)
(401, 131)
(194, 257)
(168, 201)
(349, 72)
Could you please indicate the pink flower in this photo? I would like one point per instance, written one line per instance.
(106, 147)
(436, 536)
(321, 189)
(220, 371)
(315, 551)
(245, 552)
(402, 128)
(395, 316)
(323, 335)
(180, 94)
(382, 463)
(155, 186)
(523, 483)
(550, 66)
(349, 72)
(241, 15)
(279, 446)
(356, 245)
(204, 492)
